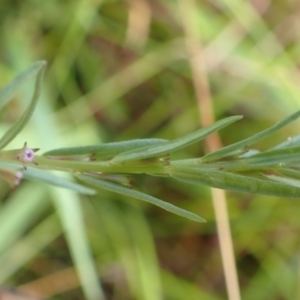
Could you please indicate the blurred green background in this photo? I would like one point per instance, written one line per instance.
(118, 70)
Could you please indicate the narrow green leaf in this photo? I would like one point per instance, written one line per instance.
(229, 181)
(12, 88)
(28, 245)
(53, 179)
(19, 125)
(290, 142)
(121, 179)
(276, 158)
(116, 188)
(69, 208)
(105, 151)
(287, 172)
(285, 180)
(228, 150)
(21, 213)
(47, 177)
(171, 146)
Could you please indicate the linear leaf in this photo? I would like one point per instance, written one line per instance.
(28, 245)
(47, 177)
(71, 214)
(139, 195)
(277, 158)
(20, 214)
(19, 125)
(229, 181)
(288, 172)
(285, 180)
(152, 151)
(105, 151)
(53, 179)
(12, 88)
(225, 151)
(290, 142)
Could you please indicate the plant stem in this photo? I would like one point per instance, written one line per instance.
(92, 166)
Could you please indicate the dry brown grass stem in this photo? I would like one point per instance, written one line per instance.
(188, 9)
(139, 18)
(53, 284)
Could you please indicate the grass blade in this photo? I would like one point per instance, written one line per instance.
(70, 211)
(19, 125)
(225, 151)
(12, 88)
(139, 195)
(29, 246)
(27, 204)
(229, 181)
(171, 146)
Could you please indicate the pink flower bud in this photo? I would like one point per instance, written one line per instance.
(27, 155)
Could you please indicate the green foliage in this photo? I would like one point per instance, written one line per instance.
(11, 89)
(117, 71)
(125, 191)
(153, 156)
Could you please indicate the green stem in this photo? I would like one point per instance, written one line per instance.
(90, 166)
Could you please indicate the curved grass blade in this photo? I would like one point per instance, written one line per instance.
(229, 181)
(105, 151)
(171, 146)
(12, 88)
(228, 150)
(116, 188)
(19, 125)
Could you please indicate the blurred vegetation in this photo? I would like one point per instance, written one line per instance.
(117, 70)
